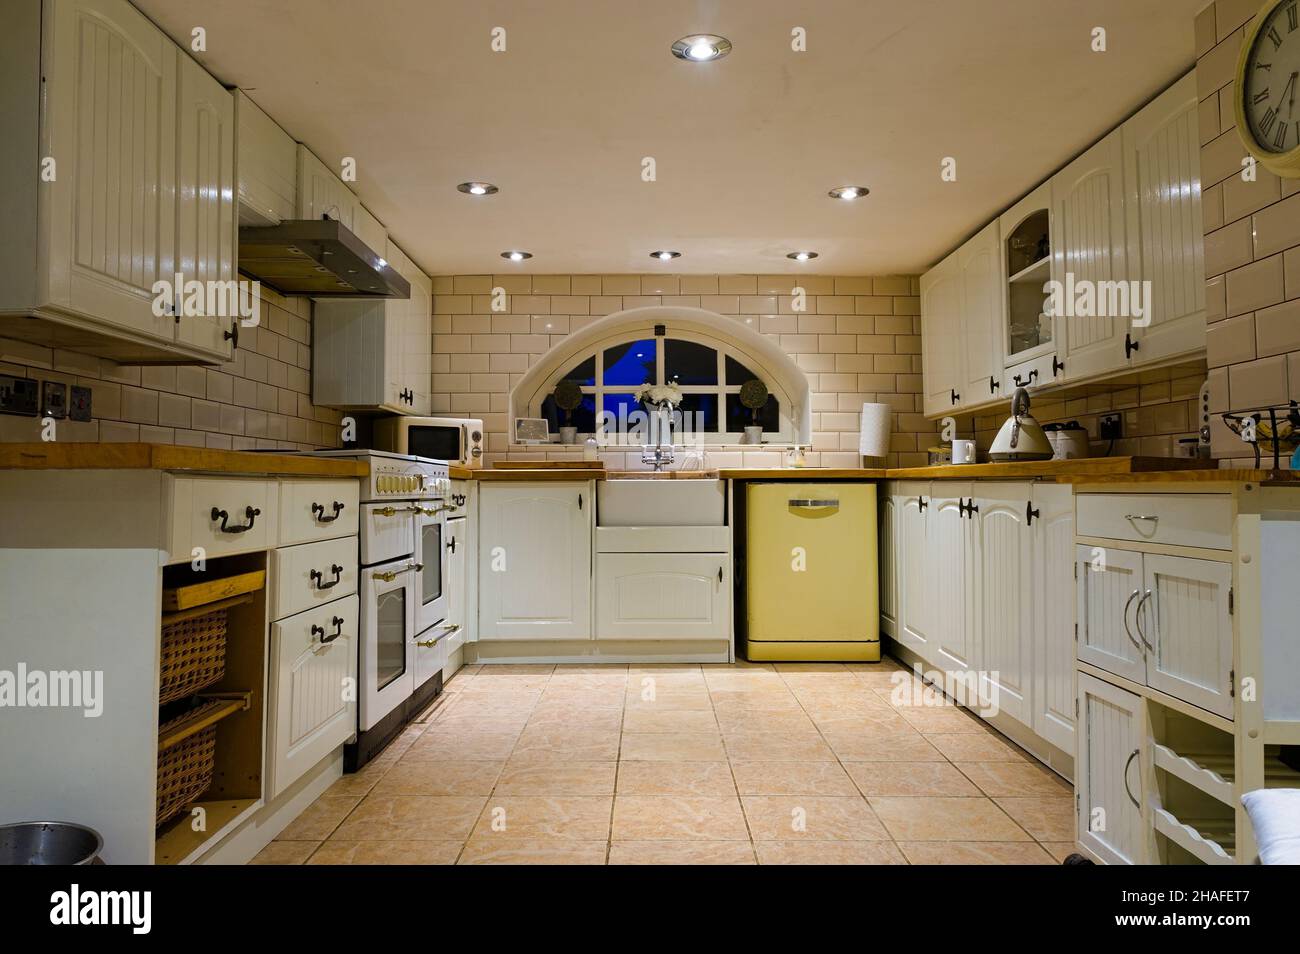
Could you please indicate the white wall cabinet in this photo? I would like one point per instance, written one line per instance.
(1162, 179)
(535, 560)
(267, 166)
(663, 595)
(979, 263)
(1110, 772)
(143, 146)
(941, 336)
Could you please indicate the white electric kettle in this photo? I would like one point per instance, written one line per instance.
(1021, 437)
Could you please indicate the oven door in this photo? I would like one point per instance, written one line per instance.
(387, 657)
(386, 531)
(431, 557)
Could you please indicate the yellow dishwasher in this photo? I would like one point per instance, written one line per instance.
(810, 572)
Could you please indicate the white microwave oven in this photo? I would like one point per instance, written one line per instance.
(457, 440)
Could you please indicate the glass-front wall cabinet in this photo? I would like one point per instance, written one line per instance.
(1028, 256)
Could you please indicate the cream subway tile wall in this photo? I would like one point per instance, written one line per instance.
(859, 340)
(260, 400)
(1252, 246)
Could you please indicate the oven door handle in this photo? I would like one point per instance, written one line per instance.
(431, 512)
(447, 631)
(394, 511)
(389, 575)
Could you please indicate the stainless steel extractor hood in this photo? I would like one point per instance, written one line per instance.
(317, 257)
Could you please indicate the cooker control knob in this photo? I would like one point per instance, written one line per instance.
(381, 484)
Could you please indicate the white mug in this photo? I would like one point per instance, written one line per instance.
(963, 452)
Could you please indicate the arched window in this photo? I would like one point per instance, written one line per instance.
(708, 371)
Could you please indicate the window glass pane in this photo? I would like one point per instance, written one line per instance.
(689, 363)
(703, 409)
(620, 422)
(737, 373)
(740, 417)
(584, 374)
(632, 363)
(582, 417)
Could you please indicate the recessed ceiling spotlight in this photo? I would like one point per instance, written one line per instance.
(665, 256)
(477, 188)
(516, 256)
(701, 48)
(848, 193)
(801, 256)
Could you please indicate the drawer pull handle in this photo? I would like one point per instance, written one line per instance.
(1127, 790)
(337, 623)
(1124, 616)
(447, 631)
(1142, 516)
(317, 577)
(1137, 618)
(250, 514)
(815, 504)
(459, 499)
(389, 575)
(318, 511)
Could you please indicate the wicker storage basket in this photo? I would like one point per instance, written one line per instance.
(185, 768)
(193, 653)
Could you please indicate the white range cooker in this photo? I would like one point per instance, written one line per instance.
(403, 589)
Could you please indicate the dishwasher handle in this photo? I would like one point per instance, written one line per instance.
(805, 504)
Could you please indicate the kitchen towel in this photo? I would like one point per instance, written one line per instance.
(874, 436)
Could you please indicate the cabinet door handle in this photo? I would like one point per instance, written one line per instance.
(1130, 345)
(955, 396)
(1032, 377)
(719, 574)
(1137, 620)
(994, 385)
(1142, 516)
(1030, 513)
(1128, 791)
(250, 514)
(1124, 616)
(579, 501)
(318, 578)
(318, 511)
(451, 544)
(921, 504)
(319, 631)
(1057, 366)
(232, 335)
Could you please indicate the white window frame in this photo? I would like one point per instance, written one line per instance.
(722, 349)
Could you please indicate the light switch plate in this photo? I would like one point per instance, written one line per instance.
(54, 399)
(79, 403)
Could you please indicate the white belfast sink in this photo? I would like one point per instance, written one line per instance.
(640, 502)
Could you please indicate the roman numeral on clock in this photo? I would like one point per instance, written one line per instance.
(1279, 140)
(1292, 18)
(1275, 37)
(1266, 121)
(1261, 96)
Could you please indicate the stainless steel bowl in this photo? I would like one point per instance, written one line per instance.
(49, 843)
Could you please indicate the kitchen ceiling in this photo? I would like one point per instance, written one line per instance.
(745, 148)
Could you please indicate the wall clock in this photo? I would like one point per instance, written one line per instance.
(1268, 88)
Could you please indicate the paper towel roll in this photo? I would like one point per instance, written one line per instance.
(874, 436)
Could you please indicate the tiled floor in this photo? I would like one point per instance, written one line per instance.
(774, 764)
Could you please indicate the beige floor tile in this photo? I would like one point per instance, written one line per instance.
(581, 700)
(925, 818)
(601, 682)
(753, 682)
(677, 817)
(682, 747)
(570, 717)
(675, 778)
(285, 853)
(641, 677)
(525, 817)
(491, 849)
(494, 720)
(668, 697)
(339, 852)
(828, 853)
(819, 680)
(681, 853)
(360, 783)
(1014, 778)
(739, 703)
(411, 818)
(435, 777)
(778, 747)
(791, 778)
(883, 678)
(863, 747)
(811, 818)
(573, 743)
(885, 664)
(793, 720)
(669, 720)
(1046, 818)
(976, 747)
(875, 723)
(527, 776)
(1059, 850)
(974, 853)
(320, 819)
(909, 779)
(952, 720)
(457, 744)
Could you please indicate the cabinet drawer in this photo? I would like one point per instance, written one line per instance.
(1188, 520)
(201, 505)
(317, 510)
(312, 574)
(313, 663)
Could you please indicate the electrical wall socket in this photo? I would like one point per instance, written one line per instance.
(18, 395)
(1111, 426)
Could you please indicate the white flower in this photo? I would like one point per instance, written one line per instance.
(660, 395)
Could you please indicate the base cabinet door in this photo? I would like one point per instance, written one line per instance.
(1052, 534)
(1109, 772)
(457, 551)
(1108, 584)
(947, 570)
(663, 596)
(313, 661)
(535, 560)
(998, 576)
(1184, 620)
(915, 582)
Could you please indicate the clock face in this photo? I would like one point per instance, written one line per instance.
(1271, 98)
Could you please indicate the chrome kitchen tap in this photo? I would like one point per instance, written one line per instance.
(661, 455)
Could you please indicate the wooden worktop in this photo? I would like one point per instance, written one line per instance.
(804, 473)
(88, 456)
(1064, 470)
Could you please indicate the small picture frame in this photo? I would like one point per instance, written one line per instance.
(532, 430)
